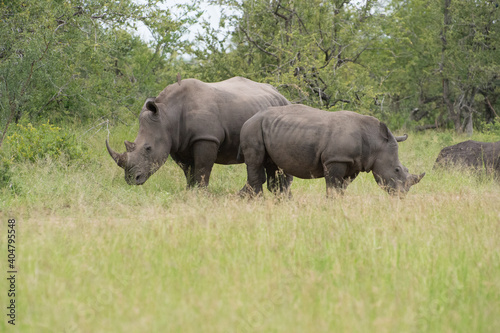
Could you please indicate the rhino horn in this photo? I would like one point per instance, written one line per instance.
(120, 159)
(402, 138)
(130, 146)
(416, 179)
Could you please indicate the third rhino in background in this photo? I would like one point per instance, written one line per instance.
(472, 155)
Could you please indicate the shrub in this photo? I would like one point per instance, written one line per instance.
(5, 172)
(29, 143)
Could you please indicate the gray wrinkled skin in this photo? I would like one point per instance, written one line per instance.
(474, 155)
(309, 143)
(196, 123)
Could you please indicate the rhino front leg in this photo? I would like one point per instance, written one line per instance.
(187, 168)
(189, 173)
(205, 154)
(335, 178)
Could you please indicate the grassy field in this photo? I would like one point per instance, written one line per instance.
(97, 255)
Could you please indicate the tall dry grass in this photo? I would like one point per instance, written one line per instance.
(97, 255)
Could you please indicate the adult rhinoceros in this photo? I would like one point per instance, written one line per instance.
(474, 155)
(198, 124)
(310, 143)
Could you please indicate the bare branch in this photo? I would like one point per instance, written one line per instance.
(426, 127)
(257, 44)
(339, 100)
(491, 107)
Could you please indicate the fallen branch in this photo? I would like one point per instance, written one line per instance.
(426, 127)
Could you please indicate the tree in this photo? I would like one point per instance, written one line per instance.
(470, 61)
(77, 59)
(447, 50)
(400, 59)
(310, 49)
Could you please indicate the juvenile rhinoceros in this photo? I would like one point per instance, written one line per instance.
(309, 143)
(475, 155)
(198, 124)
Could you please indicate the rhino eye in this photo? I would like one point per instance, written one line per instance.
(148, 148)
(398, 169)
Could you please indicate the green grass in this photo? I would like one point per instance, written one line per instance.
(97, 255)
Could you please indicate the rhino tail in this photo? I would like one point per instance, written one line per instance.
(239, 157)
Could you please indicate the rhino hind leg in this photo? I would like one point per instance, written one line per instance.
(256, 177)
(277, 180)
(256, 174)
(336, 180)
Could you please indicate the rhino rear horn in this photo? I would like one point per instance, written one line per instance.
(130, 146)
(120, 159)
(402, 138)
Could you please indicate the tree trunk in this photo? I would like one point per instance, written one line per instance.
(468, 128)
(453, 113)
(468, 125)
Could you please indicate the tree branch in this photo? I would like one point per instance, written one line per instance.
(491, 106)
(257, 45)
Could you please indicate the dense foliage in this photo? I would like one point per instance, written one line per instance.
(29, 143)
(411, 62)
(403, 60)
(74, 60)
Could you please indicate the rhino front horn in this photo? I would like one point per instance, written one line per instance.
(416, 179)
(120, 159)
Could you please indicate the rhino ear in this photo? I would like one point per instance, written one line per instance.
(384, 131)
(401, 138)
(151, 105)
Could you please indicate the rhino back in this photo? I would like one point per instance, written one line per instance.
(475, 154)
(217, 111)
(301, 139)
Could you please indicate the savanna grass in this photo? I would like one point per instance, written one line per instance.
(97, 255)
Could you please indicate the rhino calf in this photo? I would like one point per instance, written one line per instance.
(309, 143)
(470, 154)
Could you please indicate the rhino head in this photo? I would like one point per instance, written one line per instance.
(388, 171)
(150, 149)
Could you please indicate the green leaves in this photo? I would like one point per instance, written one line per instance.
(29, 143)
(73, 60)
(301, 46)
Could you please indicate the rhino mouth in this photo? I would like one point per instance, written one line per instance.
(136, 178)
(139, 180)
(401, 188)
(399, 192)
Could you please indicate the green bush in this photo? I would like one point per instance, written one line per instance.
(492, 127)
(29, 143)
(5, 172)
